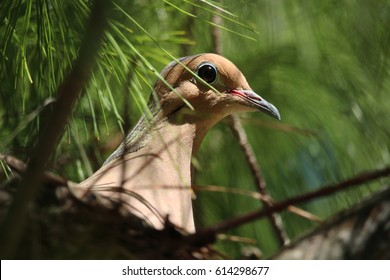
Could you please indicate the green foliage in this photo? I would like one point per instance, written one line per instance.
(324, 64)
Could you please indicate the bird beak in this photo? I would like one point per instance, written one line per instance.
(257, 102)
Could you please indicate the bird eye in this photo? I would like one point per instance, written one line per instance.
(207, 72)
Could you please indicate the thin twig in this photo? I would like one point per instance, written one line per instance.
(188, 29)
(304, 214)
(239, 133)
(208, 234)
(255, 169)
(279, 126)
(15, 163)
(256, 195)
(236, 238)
(216, 34)
(20, 167)
(50, 134)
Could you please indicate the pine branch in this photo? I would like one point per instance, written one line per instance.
(49, 136)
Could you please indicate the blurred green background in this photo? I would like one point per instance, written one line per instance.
(324, 64)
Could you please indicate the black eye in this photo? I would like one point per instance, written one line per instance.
(207, 72)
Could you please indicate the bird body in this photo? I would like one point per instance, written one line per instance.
(159, 172)
(150, 172)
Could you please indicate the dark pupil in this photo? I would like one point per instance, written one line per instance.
(207, 73)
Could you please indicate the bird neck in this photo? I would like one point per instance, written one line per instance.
(166, 134)
(169, 136)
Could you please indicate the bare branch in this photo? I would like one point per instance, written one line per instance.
(208, 234)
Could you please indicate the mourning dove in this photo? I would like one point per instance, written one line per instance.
(150, 172)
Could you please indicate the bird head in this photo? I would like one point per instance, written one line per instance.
(198, 90)
(212, 85)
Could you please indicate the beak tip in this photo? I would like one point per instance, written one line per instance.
(275, 112)
(259, 103)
